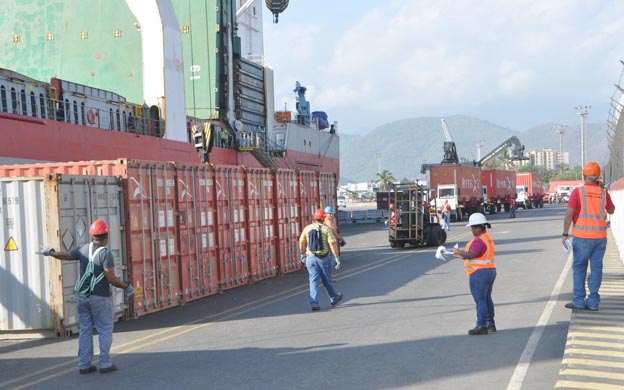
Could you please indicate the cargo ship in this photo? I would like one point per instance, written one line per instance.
(158, 117)
(150, 80)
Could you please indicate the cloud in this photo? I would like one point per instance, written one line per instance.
(411, 58)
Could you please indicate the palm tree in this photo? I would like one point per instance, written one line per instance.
(385, 179)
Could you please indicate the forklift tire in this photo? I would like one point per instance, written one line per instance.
(436, 236)
(397, 244)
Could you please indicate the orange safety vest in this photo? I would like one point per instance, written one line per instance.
(591, 222)
(486, 260)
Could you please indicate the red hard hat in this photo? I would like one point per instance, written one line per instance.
(591, 169)
(98, 227)
(319, 214)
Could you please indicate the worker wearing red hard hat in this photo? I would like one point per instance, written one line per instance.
(95, 309)
(316, 242)
(587, 211)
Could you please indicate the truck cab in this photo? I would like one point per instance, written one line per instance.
(522, 197)
(447, 193)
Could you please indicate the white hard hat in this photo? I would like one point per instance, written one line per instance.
(477, 219)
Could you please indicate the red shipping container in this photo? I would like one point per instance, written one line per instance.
(501, 185)
(533, 182)
(309, 199)
(288, 221)
(261, 234)
(197, 231)
(232, 245)
(151, 235)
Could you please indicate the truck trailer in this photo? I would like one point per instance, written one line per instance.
(498, 188)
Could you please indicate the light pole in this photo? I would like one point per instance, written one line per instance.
(560, 129)
(583, 111)
(479, 144)
(378, 155)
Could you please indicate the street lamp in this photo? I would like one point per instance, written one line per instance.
(583, 111)
(479, 144)
(560, 129)
(378, 155)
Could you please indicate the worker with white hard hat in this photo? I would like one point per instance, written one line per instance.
(479, 262)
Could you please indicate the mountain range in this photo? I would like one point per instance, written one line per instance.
(401, 147)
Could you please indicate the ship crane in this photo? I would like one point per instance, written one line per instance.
(450, 151)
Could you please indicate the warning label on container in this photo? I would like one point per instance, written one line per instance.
(10, 245)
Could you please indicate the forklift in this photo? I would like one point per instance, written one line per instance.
(410, 221)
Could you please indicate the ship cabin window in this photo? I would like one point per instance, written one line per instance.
(83, 118)
(67, 111)
(111, 123)
(75, 112)
(42, 104)
(3, 98)
(33, 104)
(118, 118)
(24, 103)
(13, 101)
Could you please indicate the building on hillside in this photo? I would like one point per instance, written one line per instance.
(548, 158)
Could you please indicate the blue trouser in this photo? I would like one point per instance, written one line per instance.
(95, 311)
(587, 250)
(447, 221)
(320, 270)
(512, 211)
(481, 284)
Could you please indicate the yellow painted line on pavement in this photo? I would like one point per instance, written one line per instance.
(592, 374)
(597, 335)
(238, 310)
(566, 384)
(593, 362)
(592, 343)
(599, 328)
(595, 352)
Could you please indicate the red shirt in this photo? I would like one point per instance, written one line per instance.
(575, 201)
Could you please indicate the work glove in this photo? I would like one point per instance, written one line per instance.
(129, 291)
(47, 251)
(303, 257)
(337, 266)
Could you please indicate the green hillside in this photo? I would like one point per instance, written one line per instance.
(408, 143)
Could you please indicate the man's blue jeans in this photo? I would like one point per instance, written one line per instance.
(587, 250)
(481, 284)
(95, 311)
(320, 270)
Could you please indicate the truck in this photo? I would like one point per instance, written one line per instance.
(561, 189)
(460, 185)
(498, 188)
(529, 190)
(410, 221)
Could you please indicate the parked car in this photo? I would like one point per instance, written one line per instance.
(342, 201)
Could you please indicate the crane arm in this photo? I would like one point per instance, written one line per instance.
(513, 142)
(447, 135)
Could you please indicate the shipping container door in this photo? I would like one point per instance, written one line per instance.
(24, 289)
(261, 203)
(309, 199)
(287, 220)
(81, 200)
(151, 232)
(232, 245)
(198, 246)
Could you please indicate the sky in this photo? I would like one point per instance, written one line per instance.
(515, 63)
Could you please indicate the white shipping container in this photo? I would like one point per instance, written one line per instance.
(54, 211)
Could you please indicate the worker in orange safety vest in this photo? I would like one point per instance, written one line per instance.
(479, 262)
(587, 212)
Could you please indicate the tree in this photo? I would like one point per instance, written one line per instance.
(385, 179)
